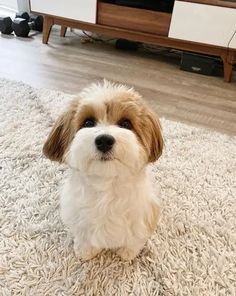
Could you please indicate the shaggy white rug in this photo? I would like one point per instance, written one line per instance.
(192, 253)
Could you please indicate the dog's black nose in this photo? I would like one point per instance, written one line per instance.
(104, 143)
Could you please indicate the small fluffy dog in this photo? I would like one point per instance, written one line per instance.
(107, 136)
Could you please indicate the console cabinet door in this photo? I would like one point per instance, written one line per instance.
(81, 10)
(203, 23)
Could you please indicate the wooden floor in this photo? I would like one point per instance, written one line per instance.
(68, 65)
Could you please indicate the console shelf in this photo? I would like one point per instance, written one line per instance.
(216, 37)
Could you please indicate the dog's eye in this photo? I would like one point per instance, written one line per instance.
(125, 123)
(89, 122)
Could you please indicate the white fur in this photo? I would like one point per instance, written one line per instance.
(106, 204)
(103, 212)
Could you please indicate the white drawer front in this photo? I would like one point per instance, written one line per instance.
(81, 10)
(202, 23)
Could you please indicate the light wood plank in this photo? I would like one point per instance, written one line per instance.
(68, 65)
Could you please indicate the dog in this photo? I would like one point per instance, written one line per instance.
(107, 137)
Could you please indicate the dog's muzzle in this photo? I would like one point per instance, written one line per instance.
(104, 143)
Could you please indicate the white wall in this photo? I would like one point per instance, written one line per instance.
(12, 4)
(17, 5)
(23, 5)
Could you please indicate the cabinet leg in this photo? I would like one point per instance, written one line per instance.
(63, 31)
(47, 26)
(228, 60)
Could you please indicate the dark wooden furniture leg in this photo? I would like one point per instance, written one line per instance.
(47, 26)
(63, 31)
(228, 60)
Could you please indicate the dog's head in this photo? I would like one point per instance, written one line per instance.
(106, 131)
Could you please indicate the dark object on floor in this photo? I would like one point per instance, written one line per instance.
(126, 44)
(22, 27)
(23, 15)
(201, 64)
(5, 25)
(37, 21)
(6, 22)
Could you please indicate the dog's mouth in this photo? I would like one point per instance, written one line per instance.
(106, 157)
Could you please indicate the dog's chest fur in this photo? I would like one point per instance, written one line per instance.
(106, 212)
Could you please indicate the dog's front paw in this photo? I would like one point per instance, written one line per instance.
(86, 254)
(127, 254)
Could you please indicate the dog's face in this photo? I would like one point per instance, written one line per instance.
(107, 131)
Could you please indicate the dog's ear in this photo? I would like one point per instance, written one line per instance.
(153, 135)
(61, 134)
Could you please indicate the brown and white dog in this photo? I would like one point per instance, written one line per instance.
(107, 136)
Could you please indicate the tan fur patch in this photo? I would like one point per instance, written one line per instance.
(89, 111)
(61, 134)
(151, 136)
(152, 218)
